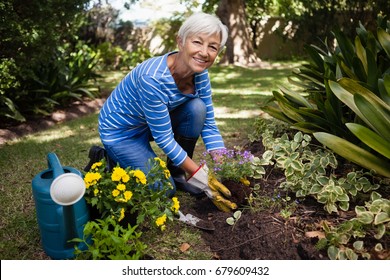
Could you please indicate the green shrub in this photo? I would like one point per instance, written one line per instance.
(114, 57)
(127, 201)
(344, 101)
(107, 240)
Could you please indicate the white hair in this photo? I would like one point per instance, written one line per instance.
(203, 23)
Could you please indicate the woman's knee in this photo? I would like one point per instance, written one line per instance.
(197, 108)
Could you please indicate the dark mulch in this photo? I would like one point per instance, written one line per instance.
(260, 235)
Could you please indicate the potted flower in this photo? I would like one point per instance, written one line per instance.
(233, 168)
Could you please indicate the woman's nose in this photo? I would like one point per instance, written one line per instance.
(203, 50)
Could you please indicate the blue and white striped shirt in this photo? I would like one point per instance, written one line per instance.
(143, 100)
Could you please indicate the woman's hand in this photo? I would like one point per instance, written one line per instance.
(214, 190)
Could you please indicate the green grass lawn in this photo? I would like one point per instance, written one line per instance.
(238, 95)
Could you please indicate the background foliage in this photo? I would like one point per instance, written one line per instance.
(38, 60)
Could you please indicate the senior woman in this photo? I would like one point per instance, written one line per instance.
(168, 99)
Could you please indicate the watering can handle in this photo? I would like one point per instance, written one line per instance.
(54, 163)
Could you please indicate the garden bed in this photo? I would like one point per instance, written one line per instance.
(265, 234)
(261, 235)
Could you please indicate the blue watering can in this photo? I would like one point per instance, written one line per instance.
(61, 208)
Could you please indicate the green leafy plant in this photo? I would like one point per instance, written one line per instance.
(114, 57)
(131, 192)
(375, 213)
(67, 75)
(233, 219)
(344, 97)
(106, 239)
(311, 172)
(375, 135)
(371, 219)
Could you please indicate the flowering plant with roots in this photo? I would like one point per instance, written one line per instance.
(230, 164)
(132, 193)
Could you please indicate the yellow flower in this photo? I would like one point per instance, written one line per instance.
(167, 173)
(96, 192)
(125, 178)
(117, 174)
(128, 195)
(139, 175)
(96, 165)
(160, 221)
(115, 193)
(161, 162)
(91, 178)
(122, 214)
(121, 187)
(176, 204)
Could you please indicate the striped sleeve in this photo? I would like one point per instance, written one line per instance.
(210, 134)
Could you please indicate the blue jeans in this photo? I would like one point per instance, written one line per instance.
(187, 120)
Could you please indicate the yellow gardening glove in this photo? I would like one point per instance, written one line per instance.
(220, 195)
(245, 181)
(216, 191)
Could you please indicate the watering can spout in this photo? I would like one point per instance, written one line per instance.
(54, 163)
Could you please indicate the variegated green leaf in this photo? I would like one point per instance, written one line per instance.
(365, 218)
(384, 40)
(307, 127)
(276, 113)
(358, 245)
(346, 97)
(361, 53)
(333, 252)
(355, 87)
(373, 73)
(354, 153)
(296, 97)
(370, 138)
(375, 113)
(381, 218)
(380, 231)
(290, 112)
(344, 205)
(384, 88)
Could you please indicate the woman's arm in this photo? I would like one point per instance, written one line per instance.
(189, 166)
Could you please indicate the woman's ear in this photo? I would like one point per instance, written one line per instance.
(179, 43)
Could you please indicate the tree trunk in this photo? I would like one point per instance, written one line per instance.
(239, 49)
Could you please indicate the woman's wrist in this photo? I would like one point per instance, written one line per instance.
(189, 166)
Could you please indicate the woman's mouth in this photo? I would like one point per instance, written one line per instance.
(199, 60)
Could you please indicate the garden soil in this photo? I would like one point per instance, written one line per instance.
(262, 235)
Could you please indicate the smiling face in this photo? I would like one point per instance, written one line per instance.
(199, 51)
